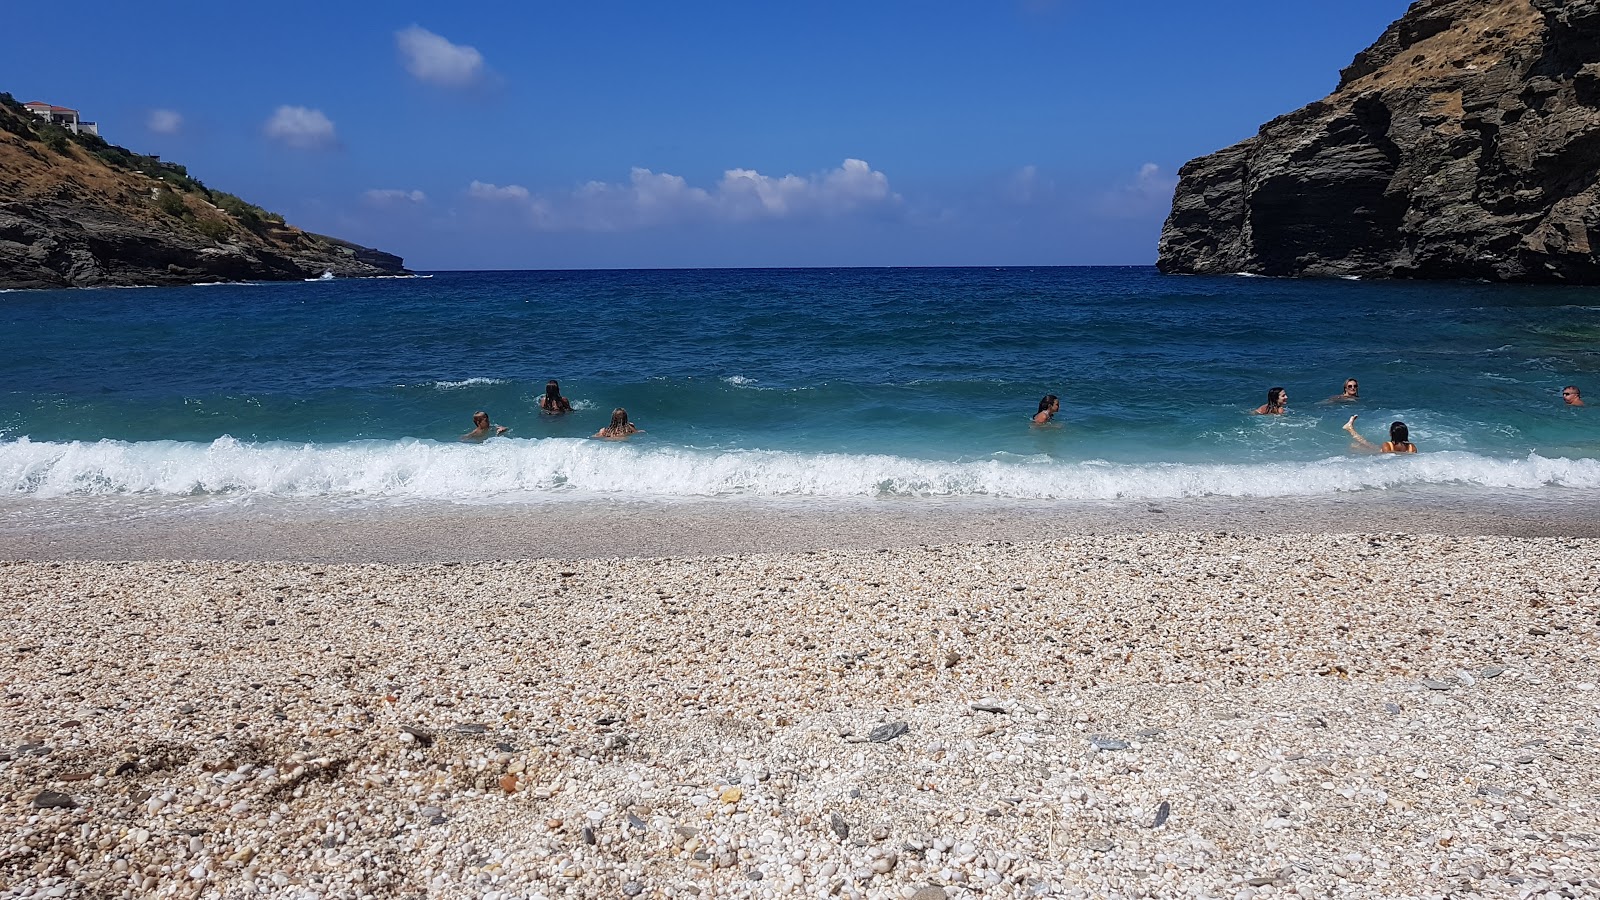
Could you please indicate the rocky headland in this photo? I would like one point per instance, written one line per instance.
(1464, 143)
(76, 211)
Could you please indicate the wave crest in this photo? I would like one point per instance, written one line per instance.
(519, 470)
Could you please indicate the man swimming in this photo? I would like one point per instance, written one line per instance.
(1571, 396)
(482, 429)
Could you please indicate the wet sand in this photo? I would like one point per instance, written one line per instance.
(119, 529)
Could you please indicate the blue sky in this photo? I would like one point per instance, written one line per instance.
(621, 134)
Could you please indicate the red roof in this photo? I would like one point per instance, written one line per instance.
(38, 105)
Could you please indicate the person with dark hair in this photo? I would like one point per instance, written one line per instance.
(551, 401)
(1571, 395)
(1277, 403)
(1352, 393)
(1048, 407)
(482, 429)
(1399, 438)
(620, 428)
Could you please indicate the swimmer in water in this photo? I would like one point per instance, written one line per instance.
(551, 401)
(1048, 407)
(482, 429)
(1571, 396)
(620, 428)
(1277, 403)
(1352, 393)
(1399, 438)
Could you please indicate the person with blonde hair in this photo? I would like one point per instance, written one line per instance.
(620, 428)
(482, 429)
(1352, 393)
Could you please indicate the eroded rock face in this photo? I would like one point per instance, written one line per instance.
(75, 213)
(59, 244)
(1464, 143)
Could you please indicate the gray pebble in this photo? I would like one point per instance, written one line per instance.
(889, 732)
(839, 825)
(1102, 742)
(1162, 812)
(53, 800)
(633, 889)
(1436, 685)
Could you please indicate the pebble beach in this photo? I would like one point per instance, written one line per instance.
(1140, 714)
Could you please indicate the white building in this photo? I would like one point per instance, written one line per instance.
(66, 118)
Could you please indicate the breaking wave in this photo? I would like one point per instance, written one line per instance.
(518, 470)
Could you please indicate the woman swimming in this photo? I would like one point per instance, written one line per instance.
(620, 428)
(1399, 438)
(1277, 403)
(1352, 393)
(551, 400)
(1048, 407)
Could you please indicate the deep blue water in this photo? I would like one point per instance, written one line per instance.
(847, 382)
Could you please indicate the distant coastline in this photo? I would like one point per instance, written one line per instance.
(82, 212)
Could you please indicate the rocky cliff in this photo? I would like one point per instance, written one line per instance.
(1465, 143)
(78, 212)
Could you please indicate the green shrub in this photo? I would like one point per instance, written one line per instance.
(170, 203)
(58, 139)
(216, 229)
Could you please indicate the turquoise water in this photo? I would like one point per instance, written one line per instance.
(791, 383)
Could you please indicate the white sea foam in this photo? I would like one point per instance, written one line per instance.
(465, 383)
(513, 470)
(738, 381)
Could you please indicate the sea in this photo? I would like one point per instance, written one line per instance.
(902, 385)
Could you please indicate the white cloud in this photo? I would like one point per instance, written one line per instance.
(480, 190)
(658, 198)
(393, 197)
(164, 121)
(431, 58)
(1026, 185)
(1149, 191)
(298, 126)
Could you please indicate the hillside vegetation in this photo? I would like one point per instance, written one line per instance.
(76, 210)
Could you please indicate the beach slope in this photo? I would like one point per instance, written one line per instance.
(1134, 714)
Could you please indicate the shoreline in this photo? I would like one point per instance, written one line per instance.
(1246, 715)
(123, 529)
